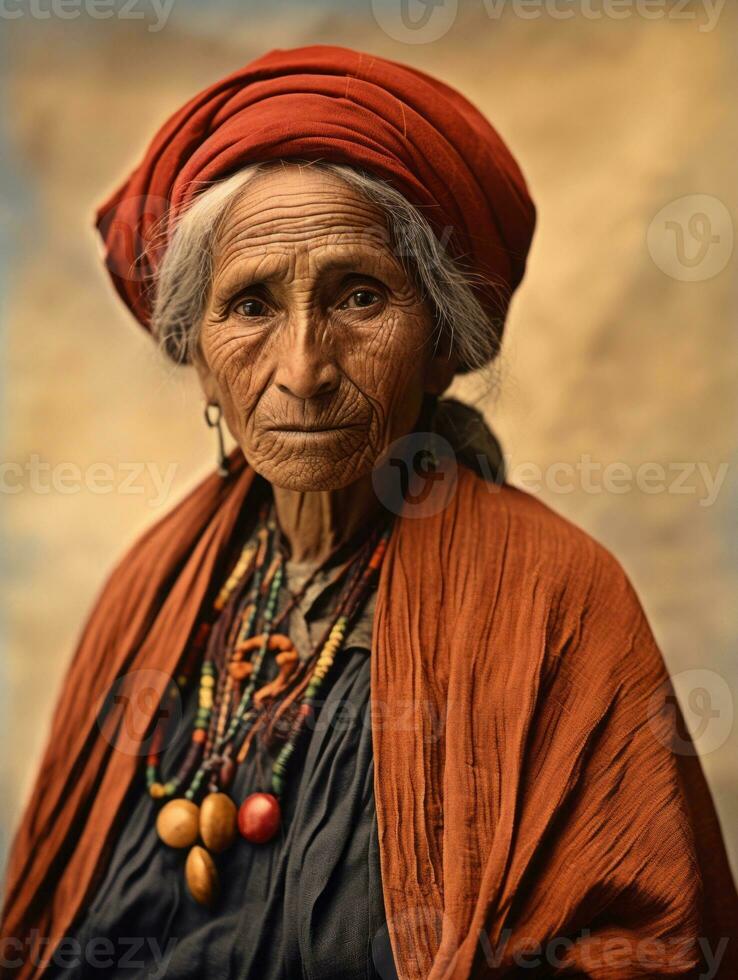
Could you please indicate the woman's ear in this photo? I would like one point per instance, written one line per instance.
(207, 381)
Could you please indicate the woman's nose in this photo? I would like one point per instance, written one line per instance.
(306, 367)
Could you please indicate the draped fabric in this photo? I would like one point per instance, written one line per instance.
(307, 903)
(527, 788)
(343, 106)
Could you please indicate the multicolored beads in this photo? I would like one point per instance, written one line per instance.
(231, 700)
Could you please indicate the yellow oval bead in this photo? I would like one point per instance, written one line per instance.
(201, 876)
(218, 821)
(178, 823)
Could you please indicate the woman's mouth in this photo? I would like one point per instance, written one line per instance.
(312, 430)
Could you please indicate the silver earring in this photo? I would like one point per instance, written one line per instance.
(213, 418)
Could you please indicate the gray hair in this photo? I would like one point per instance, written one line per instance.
(184, 277)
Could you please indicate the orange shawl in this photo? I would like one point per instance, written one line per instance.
(529, 806)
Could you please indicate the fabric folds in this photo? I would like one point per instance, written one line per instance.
(526, 790)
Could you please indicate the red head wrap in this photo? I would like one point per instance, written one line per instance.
(341, 106)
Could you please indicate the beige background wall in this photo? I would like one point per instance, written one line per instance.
(607, 355)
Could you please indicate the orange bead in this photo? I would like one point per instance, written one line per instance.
(239, 670)
(253, 643)
(278, 641)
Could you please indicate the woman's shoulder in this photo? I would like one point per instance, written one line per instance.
(551, 578)
(536, 544)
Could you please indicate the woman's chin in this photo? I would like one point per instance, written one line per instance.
(313, 472)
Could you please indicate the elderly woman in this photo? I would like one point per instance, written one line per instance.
(329, 238)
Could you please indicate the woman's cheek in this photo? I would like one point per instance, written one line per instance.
(378, 351)
(231, 374)
(405, 348)
(230, 362)
(388, 368)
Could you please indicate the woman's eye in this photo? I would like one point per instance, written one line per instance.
(360, 299)
(251, 307)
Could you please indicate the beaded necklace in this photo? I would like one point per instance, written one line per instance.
(232, 646)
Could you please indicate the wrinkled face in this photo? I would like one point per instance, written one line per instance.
(314, 342)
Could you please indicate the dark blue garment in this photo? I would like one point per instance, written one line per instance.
(307, 904)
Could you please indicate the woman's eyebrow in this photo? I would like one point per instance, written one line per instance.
(357, 259)
(239, 272)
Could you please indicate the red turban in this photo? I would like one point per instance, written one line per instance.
(342, 106)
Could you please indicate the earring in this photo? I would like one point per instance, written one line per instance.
(213, 419)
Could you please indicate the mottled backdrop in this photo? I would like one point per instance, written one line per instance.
(615, 398)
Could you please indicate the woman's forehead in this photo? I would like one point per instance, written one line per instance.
(287, 217)
(298, 201)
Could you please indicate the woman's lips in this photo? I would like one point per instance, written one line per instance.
(311, 429)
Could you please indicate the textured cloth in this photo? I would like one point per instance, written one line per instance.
(308, 903)
(342, 106)
(525, 787)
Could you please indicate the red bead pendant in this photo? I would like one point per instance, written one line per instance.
(259, 817)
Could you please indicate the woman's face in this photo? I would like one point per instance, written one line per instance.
(314, 342)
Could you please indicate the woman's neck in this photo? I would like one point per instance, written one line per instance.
(316, 523)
